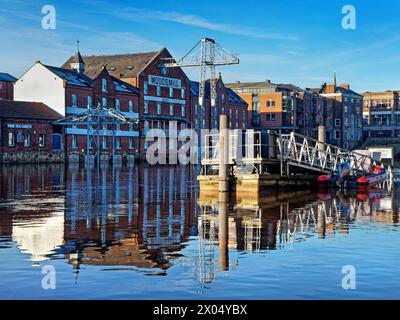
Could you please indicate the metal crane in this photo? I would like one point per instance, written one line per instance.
(206, 53)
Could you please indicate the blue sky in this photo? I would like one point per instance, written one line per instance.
(291, 41)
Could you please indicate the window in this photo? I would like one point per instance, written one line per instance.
(130, 106)
(271, 103)
(223, 98)
(74, 142)
(118, 142)
(346, 109)
(146, 108)
(117, 104)
(74, 100)
(104, 85)
(346, 122)
(271, 117)
(131, 127)
(183, 93)
(42, 140)
(337, 122)
(337, 134)
(146, 87)
(104, 102)
(89, 102)
(158, 108)
(158, 90)
(183, 111)
(27, 140)
(130, 143)
(171, 92)
(171, 109)
(105, 142)
(11, 139)
(146, 127)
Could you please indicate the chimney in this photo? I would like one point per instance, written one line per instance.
(345, 86)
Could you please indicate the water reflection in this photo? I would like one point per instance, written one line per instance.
(106, 223)
(143, 218)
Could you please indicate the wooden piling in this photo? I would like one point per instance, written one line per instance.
(223, 153)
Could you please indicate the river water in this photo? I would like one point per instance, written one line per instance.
(150, 233)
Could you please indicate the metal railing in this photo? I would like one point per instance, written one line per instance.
(302, 151)
(248, 148)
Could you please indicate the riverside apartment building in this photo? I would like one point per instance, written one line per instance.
(287, 108)
(381, 114)
(270, 105)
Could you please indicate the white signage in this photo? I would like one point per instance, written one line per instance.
(165, 82)
(19, 126)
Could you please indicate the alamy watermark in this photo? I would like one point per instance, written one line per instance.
(349, 21)
(49, 20)
(349, 279)
(49, 280)
(182, 147)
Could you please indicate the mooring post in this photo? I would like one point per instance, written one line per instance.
(321, 139)
(223, 232)
(272, 144)
(223, 153)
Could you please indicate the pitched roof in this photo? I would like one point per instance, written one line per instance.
(264, 85)
(232, 96)
(251, 85)
(119, 65)
(7, 77)
(27, 110)
(77, 58)
(291, 87)
(338, 89)
(123, 86)
(71, 76)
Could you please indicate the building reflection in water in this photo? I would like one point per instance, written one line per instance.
(142, 218)
(109, 226)
(32, 209)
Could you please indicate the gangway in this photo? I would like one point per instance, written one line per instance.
(269, 152)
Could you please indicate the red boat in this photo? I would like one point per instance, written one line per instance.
(378, 176)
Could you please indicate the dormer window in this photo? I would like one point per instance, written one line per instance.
(104, 85)
(112, 69)
(129, 68)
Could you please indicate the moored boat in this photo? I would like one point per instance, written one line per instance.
(378, 176)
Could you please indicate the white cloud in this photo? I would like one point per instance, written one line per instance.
(146, 15)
